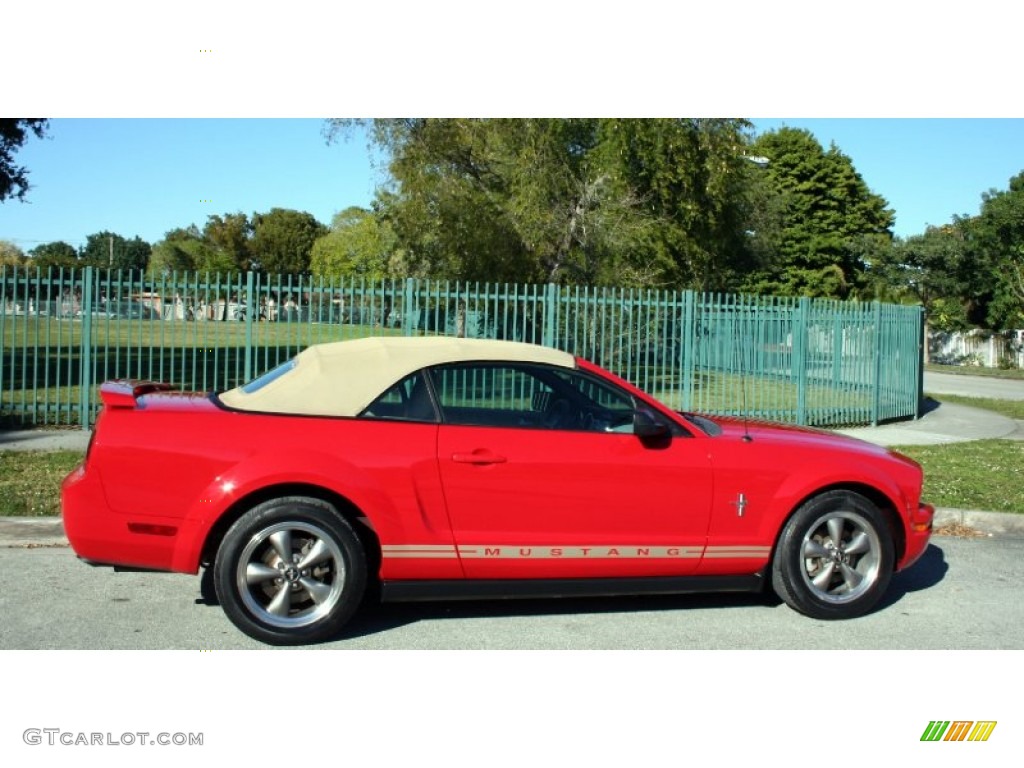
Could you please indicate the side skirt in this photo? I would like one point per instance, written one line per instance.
(458, 589)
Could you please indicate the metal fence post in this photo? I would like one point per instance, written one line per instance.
(550, 314)
(410, 319)
(85, 374)
(800, 362)
(688, 337)
(3, 333)
(876, 377)
(837, 347)
(250, 310)
(922, 344)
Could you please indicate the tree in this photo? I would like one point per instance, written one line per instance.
(229, 237)
(11, 255)
(358, 245)
(283, 240)
(112, 251)
(179, 251)
(934, 270)
(827, 211)
(996, 244)
(647, 202)
(55, 254)
(223, 246)
(480, 199)
(13, 132)
(693, 180)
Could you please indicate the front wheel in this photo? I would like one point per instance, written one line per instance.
(290, 571)
(834, 558)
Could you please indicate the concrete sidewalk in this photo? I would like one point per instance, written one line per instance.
(44, 440)
(942, 423)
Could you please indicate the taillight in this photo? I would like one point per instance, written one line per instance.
(92, 437)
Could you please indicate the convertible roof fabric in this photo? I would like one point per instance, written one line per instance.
(344, 377)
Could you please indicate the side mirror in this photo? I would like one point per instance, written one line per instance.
(646, 425)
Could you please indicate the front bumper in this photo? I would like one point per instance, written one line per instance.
(919, 533)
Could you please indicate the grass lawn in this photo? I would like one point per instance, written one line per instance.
(979, 475)
(982, 474)
(30, 481)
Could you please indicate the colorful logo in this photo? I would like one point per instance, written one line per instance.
(959, 730)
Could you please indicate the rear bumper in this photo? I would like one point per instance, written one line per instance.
(98, 535)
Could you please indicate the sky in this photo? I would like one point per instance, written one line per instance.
(145, 176)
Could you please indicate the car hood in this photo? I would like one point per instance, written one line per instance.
(795, 436)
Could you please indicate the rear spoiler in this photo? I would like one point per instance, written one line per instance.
(124, 393)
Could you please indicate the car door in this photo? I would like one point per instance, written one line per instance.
(543, 477)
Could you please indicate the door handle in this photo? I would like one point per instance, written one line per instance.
(479, 456)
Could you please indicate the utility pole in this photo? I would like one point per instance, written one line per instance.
(111, 239)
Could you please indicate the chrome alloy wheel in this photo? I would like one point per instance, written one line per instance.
(290, 574)
(842, 556)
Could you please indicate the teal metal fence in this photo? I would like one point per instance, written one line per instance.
(804, 361)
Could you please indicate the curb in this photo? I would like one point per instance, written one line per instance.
(987, 522)
(32, 532)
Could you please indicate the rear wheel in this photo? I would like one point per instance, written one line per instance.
(835, 557)
(290, 571)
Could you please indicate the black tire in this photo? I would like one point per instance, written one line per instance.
(834, 558)
(290, 571)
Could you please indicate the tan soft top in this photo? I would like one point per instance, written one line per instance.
(343, 378)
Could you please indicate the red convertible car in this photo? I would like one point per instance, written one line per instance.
(438, 468)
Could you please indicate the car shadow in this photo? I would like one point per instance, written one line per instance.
(926, 573)
(374, 617)
(207, 591)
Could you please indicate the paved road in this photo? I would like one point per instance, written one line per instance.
(963, 594)
(973, 386)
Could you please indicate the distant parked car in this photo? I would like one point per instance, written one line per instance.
(455, 468)
(125, 310)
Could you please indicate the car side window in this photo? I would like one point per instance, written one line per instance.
(407, 400)
(490, 394)
(529, 396)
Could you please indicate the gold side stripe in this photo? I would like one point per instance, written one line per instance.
(421, 555)
(734, 555)
(724, 552)
(631, 551)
